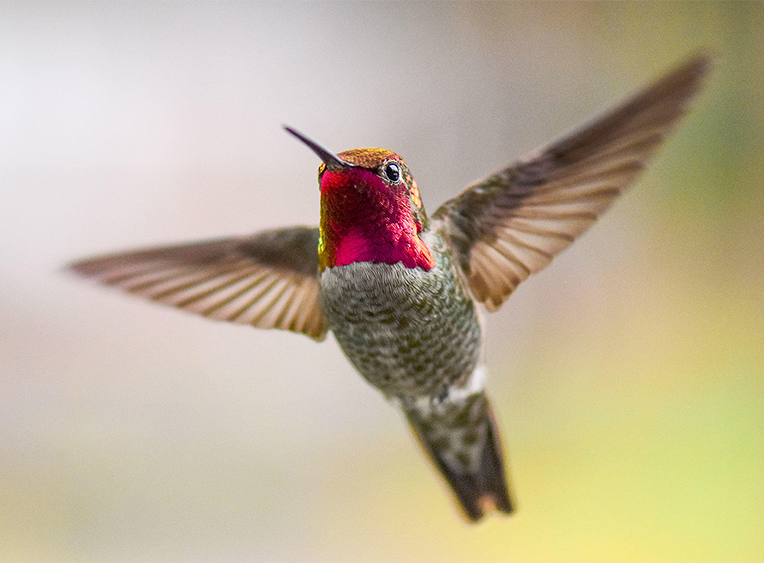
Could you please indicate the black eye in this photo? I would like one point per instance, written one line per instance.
(392, 172)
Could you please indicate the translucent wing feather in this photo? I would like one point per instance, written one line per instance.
(511, 224)
(268, 280)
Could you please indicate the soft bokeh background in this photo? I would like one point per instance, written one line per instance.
(628, 377)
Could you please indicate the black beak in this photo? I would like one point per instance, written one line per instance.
(331, 160)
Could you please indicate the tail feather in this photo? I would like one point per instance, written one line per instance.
(462, 440)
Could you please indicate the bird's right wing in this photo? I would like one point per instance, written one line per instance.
(268, 280)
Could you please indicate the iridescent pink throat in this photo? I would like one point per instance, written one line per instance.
(365, 220)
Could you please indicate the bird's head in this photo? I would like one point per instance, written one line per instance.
(371, 210)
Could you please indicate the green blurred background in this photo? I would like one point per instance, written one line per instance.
(628, 377)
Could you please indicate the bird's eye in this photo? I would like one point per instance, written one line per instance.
(392, 172)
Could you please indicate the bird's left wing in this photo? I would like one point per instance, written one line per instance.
(268, 280)
(513, 223)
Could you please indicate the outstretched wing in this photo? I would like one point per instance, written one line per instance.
(268, 280)
(512, 224)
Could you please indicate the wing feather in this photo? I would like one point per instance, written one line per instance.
(268, 280)
(511, 224)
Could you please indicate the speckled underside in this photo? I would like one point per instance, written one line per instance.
(409, 332)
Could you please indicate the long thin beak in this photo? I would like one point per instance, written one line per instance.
(332, 161)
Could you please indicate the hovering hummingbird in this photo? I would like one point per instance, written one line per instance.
(402, 292)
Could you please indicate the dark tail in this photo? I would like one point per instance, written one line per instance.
(462, 440)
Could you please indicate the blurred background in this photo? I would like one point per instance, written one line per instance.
(628, 377)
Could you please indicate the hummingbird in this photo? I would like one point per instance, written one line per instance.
(404, 293)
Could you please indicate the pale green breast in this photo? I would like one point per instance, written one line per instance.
(409, 332)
